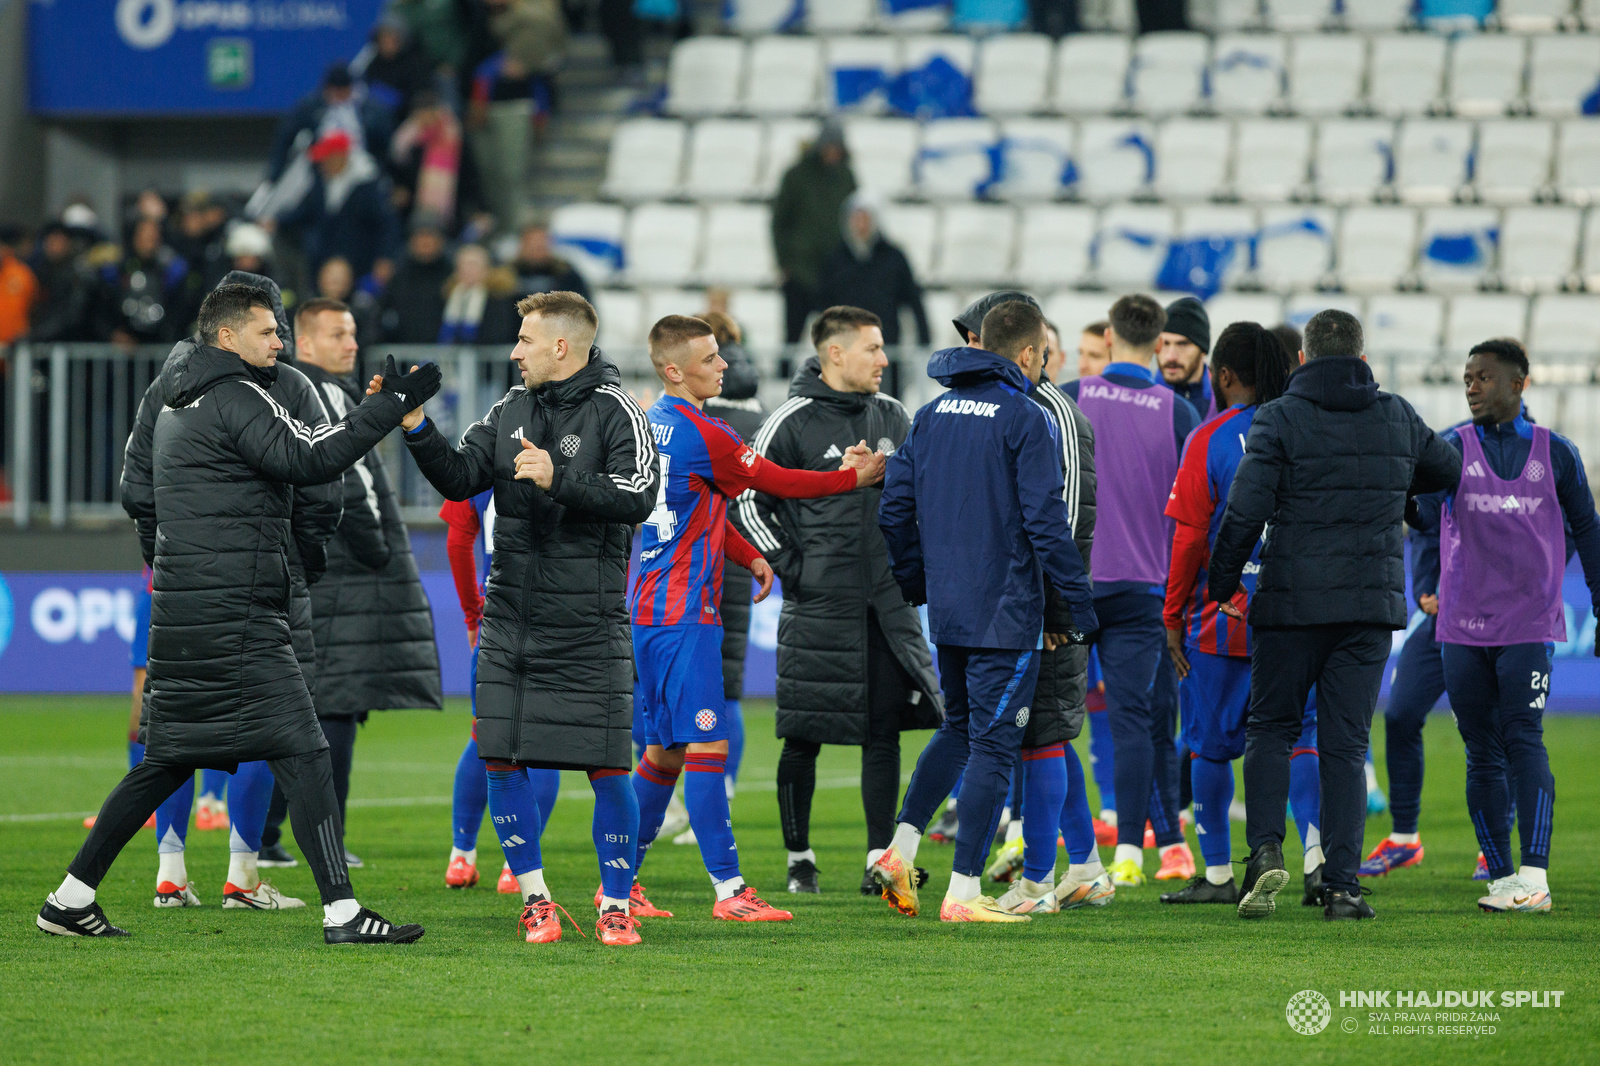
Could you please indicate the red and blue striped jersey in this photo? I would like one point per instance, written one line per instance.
(1199, 494)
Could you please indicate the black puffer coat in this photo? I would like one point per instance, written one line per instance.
(834, 566)
(555, 651)
(738, 407)
(371, 617)
(1329, 464)
(224, 685)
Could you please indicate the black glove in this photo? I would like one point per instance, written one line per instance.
(413, 389)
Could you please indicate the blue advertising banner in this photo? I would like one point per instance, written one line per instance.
(186, 57)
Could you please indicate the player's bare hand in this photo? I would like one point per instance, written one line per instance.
(533, 464)
(375, 384)
(1429, 603)
(855, 456)
(1231, 611)
(1180, 662)
(762, 571)
(871, 471)
(472, 636)
(1052, 641)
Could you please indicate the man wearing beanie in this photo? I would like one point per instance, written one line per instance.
(1182, 354)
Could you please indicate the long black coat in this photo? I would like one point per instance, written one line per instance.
(738, 407)
(555, 651)
(1330, 465)
(370, 614)
(834, 566)
(882, 283)
(224, 685)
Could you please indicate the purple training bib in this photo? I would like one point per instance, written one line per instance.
(1135, 460)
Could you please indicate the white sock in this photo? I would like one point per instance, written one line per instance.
(1406, 838)
(1013, 830)
(242, 870)
(74, 894)
(340, 911)
(810, 854)
(1035, 889)
(1109, 816)
(727, 784)
(906, 839)
(729, 888)
(1313, 837)
(1086, 871)
(1126, 852)
(607, 903)
(963, 886)
(1219, 875)
(532, 884)
(875, 854)
(1372, 777)
(170, 867)
(1313, 857)
(471, 855)
(1005, 814)
(1534, 877)
(950, 804)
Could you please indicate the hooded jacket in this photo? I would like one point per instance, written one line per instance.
(739, 407)
(876, 278)
(835, 568)
(1330, 465)
(805, 215)
(972, 509)
(555, 648)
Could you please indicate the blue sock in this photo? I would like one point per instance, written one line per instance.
(214, 783)
(546, 789)
(1305, 794)
(516, 819)
(1102, 759)
(1213, 792)
(707, 799)
(1043, 795)
(468, 798)
(652, 786)
(735, 721)
(172, 818)
(135, 753)
(616, 828)
(1077, 825)
(249, 796)
(983, 793)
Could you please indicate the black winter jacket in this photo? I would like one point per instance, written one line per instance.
(738, 407)
(1329, 465)
(835, 567)
(224, 686)
(371, 617)
(882, 283)
(555, 651)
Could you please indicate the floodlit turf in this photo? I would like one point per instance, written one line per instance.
(847, 981)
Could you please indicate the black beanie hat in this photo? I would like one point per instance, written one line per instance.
(1187, 317)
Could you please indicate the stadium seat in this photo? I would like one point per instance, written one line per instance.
(975, 244)
(760, 315)
(1071, 311)
(785, 76)
(1406, 75)
(757, 17)
(1589, 13)
(839, 16)
(663, 243)
(1167, 73)
(1053, 243)
(941, 306)
(1131, 244)
(1564, 326)
(1562, 71)
(1116, 158)
(1297, 16)
(1532, 16)
(738, 245)
(882, 153)
(914, 228)
(856, 69)
(1247, 73)
(1404, 326)
(1013, 74)
(1590, 266)
(1354, 158)
(1036, 159)
(704, 76)
(1192, 156)
(959, 49)
(1432, 159)
(1220, 223)
(645, 158)
(660, 302)
(1299, 307)
(1270, 158)
(1512, 163)
(724, 159)
(590, 237)
(1377, 246)
(1578, 159)
(1091, 73)
(1486, 74)
(928, 18)
(1227, 308)
(1325, 73)
(781, 147)
(1538, 247)
(953, 162)
(1481, 316)
(621, 313)
(1458, 247)
(1295, 247)
(1370, 15)
(1231, 15)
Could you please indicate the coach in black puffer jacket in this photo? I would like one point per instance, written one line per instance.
(738, 407)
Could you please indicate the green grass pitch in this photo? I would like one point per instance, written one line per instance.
(847, 981)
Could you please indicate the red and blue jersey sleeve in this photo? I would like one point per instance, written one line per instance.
(1199, 494)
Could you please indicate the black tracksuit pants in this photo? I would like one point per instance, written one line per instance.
(341, 734)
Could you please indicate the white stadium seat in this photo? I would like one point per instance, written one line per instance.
(1295, 249)
(784, 76)
(1325, 72)
(839, 16)
(882, 152)
(1036, 159)
(1222, 222)
(1228, 15)
(663, 243)
(1590, 267)
(1565, 325)
(1589, 12)
(1300, 306)
(953, 162)
(1192, 156)
(1071, 311)
(738, 245)
(1091, 72)
(1247, 73)
(942, 306)
(1296, 16)
(1116, 158)
(1377, 246)
(645, 158)
(661, 302)
(1432, 159)
(975, 244)
(1132, 244)
(1513, 159)
(1053, 242)
(1578, 159)
(914, 227)
(1376, 14)
(1354, 158)
(1270, 157)
(1226, 308)
(1458, 246)
(755, 17)
(848, 58)
(1481, 316)
(1562, 71)
(959, 49)
(759, 313)
(781, 146)
(1486, 73)
(1406, 76)
(590, 237)
(704, 76)
(621, 312)
(1532, 16)
(1168, 72)
(1404, 325)
(1013, 74)
(1538, 246)
(724, 159)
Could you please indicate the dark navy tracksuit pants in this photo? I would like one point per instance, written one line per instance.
(1415, 688)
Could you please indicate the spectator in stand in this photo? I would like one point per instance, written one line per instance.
(413, 303)
(347, 211)
(480, 304)
(199, 236)
(394, 67)
(539, 269)
(439, 29)
(426, 157)
(152, 296)
(336, 281)
(334, 107)
(19, 289)
(65, 289)
(805, 223)
(249, 248)
(623, 33)
(869, 272)
(508, 88)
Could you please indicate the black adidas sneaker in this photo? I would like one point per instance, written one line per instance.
(75, 921)
(803, 877)
(1264, 878)
(370, 927)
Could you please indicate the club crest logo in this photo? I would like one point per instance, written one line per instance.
(1022, 718)
(886, 446)
(706, 720)
(1309, 1012)
(570, 445)
(1534, 471)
